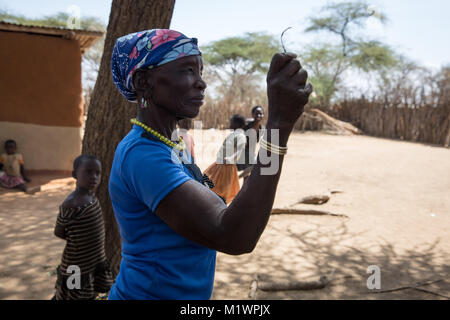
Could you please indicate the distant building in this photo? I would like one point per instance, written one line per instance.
(41, 104)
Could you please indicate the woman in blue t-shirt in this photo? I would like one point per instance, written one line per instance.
(171, 223)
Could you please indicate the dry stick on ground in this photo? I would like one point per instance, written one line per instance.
(288, 285)
(432, 292)
(253, 287)
(415, 287)
(306, 211)
(315, 199)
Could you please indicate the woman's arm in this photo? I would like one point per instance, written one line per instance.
(198, 214)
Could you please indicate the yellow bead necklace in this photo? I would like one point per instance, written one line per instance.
(181, 146)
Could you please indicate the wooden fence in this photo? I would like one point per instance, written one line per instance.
(428, 124)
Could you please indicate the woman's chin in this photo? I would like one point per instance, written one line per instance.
(195, 114)
(192, 111)
(187, 108)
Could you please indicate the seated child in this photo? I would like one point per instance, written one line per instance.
(80, 223)
(14, 175)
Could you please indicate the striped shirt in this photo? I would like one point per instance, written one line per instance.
(83, 229)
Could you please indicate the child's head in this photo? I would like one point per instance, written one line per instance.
(87, 170)
(10, 146)
(185, 123)
(237, 121)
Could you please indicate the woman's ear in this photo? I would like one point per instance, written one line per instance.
(143, 82)
(139, 80)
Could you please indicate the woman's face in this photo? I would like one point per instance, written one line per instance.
(178, 86)
(258, 115)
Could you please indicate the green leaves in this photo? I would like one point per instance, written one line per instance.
(372, 56)
(328, 23)
(246, 54)
(327, 63)
(57, 20)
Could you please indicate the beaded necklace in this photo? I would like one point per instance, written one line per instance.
(181, 146)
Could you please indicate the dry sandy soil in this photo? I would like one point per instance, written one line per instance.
(395, 208)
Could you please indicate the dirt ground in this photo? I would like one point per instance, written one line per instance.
(393, 212)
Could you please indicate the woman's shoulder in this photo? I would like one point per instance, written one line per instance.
(137, 150)
(142, 141)
(149, 151)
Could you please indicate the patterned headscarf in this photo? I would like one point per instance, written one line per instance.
(145, 50)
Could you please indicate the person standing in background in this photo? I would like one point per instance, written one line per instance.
(223, 172)
(252, 131)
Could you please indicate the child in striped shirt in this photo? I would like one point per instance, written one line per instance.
(84, 270)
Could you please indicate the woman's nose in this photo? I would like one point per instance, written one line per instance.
(201, 84)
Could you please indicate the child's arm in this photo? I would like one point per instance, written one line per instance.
(60, 231)
(22, 168)
(22, 172)
(61, 224)
(67, 210)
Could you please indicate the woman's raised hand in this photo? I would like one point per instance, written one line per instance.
(287, 91)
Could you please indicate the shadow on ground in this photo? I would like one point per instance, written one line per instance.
(29, 251)
(292, 252)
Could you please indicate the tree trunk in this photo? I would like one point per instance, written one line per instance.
(109, 113)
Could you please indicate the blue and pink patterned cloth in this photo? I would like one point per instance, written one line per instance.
(145, 50)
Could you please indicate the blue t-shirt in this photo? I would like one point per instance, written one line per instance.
(157, 262)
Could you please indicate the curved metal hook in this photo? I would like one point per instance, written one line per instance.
(281, 38)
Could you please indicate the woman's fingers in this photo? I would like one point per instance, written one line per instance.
(300, 77)
(291, 68)
(307, 90)
(279, 60)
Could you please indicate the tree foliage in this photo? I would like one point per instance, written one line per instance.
(235, 67)
(246, 54)
(372, 55)
(328, 63)
(57, 20)
(325, 64)
(341, 19)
